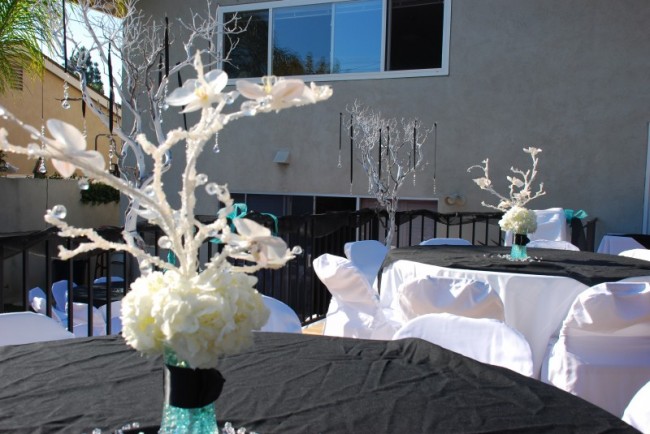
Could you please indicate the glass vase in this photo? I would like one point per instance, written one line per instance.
(518, 250)
(189, 398)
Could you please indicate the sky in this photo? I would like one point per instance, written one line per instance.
(82, 37)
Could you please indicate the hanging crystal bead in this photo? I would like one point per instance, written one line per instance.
(65, 103)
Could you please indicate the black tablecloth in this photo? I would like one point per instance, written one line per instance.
(585, 267)
(290, 384)
(642, 239)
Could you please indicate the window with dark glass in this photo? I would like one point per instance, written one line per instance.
(247, 50)
(343, 37)
(415, 34)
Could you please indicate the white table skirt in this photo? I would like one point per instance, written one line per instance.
(535, 305)
(613, 244)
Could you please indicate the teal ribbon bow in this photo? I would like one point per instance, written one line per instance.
(570, 214)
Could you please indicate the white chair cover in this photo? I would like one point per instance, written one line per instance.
(80, 317)
(637, 412)
(553, 244)
(614, 244)
(80, 312)
(37, 299)
(602, 353)
(80, 320)
(445, 241)
(116, 318)
(463, 297)
(282, 318)
(60, 294)
(484, 339)
(354, 308)
(637, 254)
(367, 256)
(551, 225)
(26, 327)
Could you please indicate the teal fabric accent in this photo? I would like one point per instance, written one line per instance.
(239, 210)
(570, 214)
(171, 257)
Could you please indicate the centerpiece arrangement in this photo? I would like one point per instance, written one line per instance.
(191, 313)
(518, 220)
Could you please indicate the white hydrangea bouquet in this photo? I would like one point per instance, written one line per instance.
(517, 218)
(198, 310)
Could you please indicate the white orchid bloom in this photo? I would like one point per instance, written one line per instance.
(532, 150)
(515, 181)
(483, 182)
(69, 141)
(258, 245)
(201, 92)
(276, 94)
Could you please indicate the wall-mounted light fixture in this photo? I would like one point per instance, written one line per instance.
(455, 200)
(282, 156)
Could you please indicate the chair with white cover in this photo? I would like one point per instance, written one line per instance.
(281, 318)
(637, 254)
(551, 225)
(354, 307)
(445, 242)
(37, 300)
(637, 412)
(602, 352)
(80, 312)
(27, 327)
(437, 294)
(367, 256)
(553, 244)
(484, 339)
(116, 318)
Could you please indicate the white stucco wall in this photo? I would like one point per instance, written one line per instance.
(568, 76)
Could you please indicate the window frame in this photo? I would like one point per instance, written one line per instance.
(382, 74)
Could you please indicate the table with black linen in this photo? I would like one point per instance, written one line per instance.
(289, 383)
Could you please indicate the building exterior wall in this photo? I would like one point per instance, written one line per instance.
(568, 76)
(40, 99)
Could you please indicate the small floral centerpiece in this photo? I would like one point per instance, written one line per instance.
(190, 312)
(517, 219)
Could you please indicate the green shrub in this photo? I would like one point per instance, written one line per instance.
(98, 193)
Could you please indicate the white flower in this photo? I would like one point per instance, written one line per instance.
(199, 319)
(201, 92)
(519, 220)
(278, 93)
(515, 181)
(69, 142)
(532, 150)
(254, 242)
(483, 183)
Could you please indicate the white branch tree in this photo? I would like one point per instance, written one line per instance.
(391, 153)
(144, 94)
(141, 45)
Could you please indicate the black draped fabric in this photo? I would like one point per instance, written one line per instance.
(290, 383)
(642, 239)
(585, 267)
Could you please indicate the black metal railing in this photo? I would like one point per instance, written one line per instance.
(294, 284)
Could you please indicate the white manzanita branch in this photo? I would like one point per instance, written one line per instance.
(254, 243)
(520, 187)
(403, 158)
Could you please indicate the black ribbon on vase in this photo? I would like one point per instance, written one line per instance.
(520, 239)
(192, 388)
